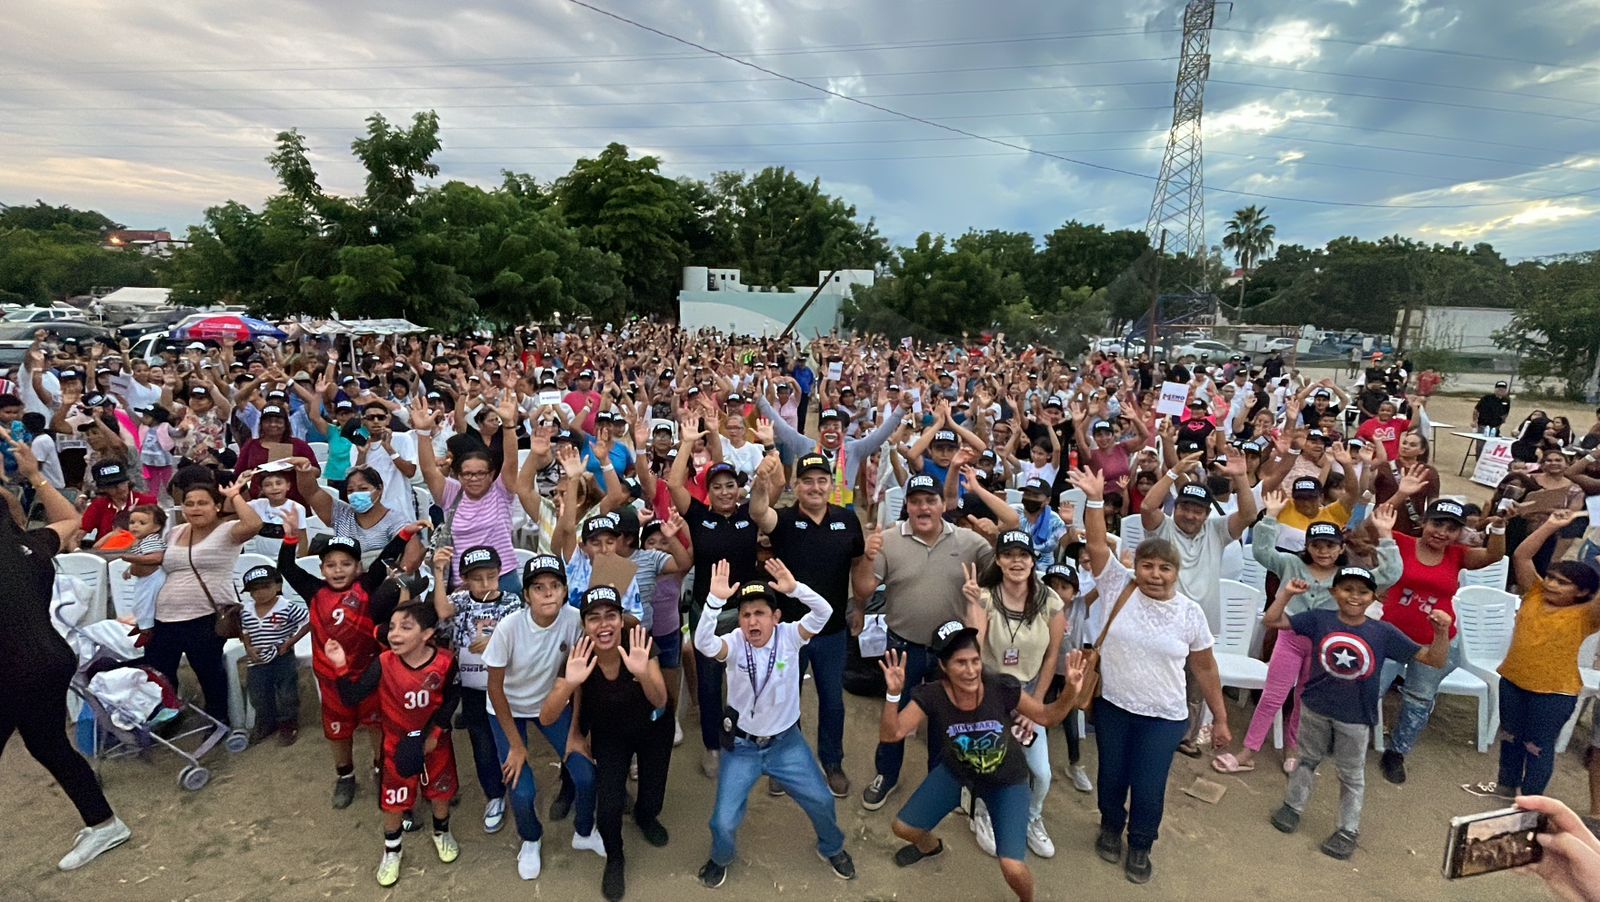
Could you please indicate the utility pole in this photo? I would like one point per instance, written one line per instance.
(809, 301)
(1155, 299)
(1179, 201)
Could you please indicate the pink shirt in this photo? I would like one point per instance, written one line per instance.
(481, 521)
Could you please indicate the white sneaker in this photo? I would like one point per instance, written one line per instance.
(528, 861)
(983, 829)
(677, 733)
(91, 841)
(494, 815)
(1080, 778)
(389, 868)
(447, 847)
(592, 842)
(1039, 840)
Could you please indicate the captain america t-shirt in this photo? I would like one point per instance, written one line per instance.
(1346, 662)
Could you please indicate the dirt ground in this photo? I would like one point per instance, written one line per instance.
(263, 827)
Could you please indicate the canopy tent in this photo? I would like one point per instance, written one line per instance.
(332, 327)
(138, 297)
(229, 326)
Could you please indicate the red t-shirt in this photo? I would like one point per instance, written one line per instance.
(1421, 589)
(100, 517)
(1389, 433)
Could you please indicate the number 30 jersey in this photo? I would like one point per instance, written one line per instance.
(408, 698)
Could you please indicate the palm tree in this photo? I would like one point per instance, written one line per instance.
(1250, 237)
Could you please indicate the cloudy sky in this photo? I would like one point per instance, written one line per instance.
(1459, 121)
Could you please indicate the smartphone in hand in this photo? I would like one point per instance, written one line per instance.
(1493, 841)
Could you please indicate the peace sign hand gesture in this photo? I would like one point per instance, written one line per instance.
(970, 588)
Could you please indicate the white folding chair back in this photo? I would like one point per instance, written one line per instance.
(1013, 496)
(524, 555)
(1492, 576)
(894, 503)
(1589, 671)
(1484, 620)
(320, 451)
(424, 500)
(91, 568)
(1132, 531)
(248, 560)
(1077, 499)
(120, 591)
(1251, 573)
(1236, 634)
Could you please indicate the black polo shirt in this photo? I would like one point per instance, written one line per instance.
(1493, 410)
(820, 554)
(718, 538)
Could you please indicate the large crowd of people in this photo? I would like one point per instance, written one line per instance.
(586, 531)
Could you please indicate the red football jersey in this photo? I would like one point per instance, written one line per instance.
(347, 617)
(409, 697)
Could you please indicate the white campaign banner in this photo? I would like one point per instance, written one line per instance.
(1173, 396)
(1493, 462)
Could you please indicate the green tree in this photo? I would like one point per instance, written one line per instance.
(782, 231)
(1078, 255)
(1556, 327)
(933, 291)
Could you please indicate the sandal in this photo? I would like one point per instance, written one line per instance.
(1188, 749)
(1226, 763)
(1489, 789)
(1291, 764)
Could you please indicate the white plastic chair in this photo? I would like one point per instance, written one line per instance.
(1132, 531)
(1013, 496)
(120, 591)
(424, 499)
(320, 451)
(1077, 499)
(1591, 687)
(240, 711)
(1251, 573)
(1492, 576)
(1241, 606)
(91, 568)
(1484, 619)
(524, 555)
(894, 503)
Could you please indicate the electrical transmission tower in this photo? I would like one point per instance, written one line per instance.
(1179, 205)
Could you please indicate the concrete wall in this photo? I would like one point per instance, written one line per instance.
(1468, 330)
(756, 313)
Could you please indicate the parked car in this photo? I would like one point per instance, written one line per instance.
(1203, 348)
(42, 314)
(153, 321)
(21, 335)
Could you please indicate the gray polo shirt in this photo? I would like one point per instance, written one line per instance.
(922, 583)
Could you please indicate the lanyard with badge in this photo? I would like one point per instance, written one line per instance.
(1012, 655)
(750, 671)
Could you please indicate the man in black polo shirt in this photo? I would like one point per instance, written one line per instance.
(1492, 410)
(820, 543)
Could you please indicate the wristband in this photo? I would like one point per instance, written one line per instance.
(1496, 530)
(291, 539)
(407, 534)
(607, 466)
(1294, 452)
(1095, 504)
(1172, 475)
(892, 699)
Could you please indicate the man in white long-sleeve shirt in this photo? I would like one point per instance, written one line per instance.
(761, 723)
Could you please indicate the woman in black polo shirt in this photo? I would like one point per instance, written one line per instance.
(969, 714)
(719, 531)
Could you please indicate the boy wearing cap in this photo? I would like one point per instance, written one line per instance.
(1341, 697)
(1037, 519)
(761, 722)
(469, 616)
(271, 626)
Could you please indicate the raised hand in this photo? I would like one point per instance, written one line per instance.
(1077, 669)
(637, 657)
(1558, 519)
(291, 519)
(1293, 587)
(985, 527)
(782, 580)
(970, 590)
(422, 419)
(1091, 482)
(580, 663)
(1413, 479)
(1383, 517)
(720, 587)
(1441, 620)
(1274, 502)
(893, 666)
(442, 559)
(874, 543)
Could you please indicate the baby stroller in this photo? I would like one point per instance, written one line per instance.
(134, 707)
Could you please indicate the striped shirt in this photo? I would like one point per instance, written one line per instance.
(485, 520)
(267, 633)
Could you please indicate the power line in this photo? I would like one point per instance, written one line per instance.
(142, 89)
(533, 62)
(1385, 45)
(1410, 100)
(1404, 81)
(950, 128)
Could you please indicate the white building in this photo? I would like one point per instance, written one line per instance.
(719, 299)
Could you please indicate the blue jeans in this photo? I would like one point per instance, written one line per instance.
(274, 689)
(826, 656)
(1531, 723)
(920, 667)
(474, 718)
(1007, 804)
(708, 695)
(787, 760)
(1135, 758)
(1416, 696)
(525, 792)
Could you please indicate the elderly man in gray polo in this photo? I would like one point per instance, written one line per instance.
(919, 563)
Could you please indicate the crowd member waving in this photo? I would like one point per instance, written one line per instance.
(969, 711)
(1152, 632)
(477, 500)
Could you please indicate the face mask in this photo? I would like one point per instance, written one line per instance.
(361, 502)
(1032, 505)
